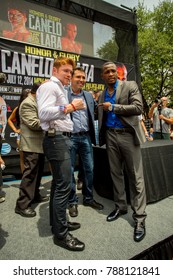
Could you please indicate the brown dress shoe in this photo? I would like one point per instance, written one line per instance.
(79, 185)
(93, 204)
(70, 243)
(28, 212)
(73, 226)
(73, 211)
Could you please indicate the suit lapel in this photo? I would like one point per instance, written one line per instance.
(118, 91)
(101, 100)
(102, 97)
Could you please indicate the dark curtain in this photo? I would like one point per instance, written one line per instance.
(163, 250)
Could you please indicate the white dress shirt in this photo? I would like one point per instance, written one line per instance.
(51, 97)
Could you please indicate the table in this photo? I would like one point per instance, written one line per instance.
(157, 159)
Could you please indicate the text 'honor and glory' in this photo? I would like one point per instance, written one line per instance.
(46, 29)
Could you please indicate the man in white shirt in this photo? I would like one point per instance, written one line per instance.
(54, 109)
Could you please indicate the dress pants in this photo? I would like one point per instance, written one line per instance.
(31, 178)
(123, 153)
(57, 151)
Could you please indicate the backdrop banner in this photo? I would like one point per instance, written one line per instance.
(25, 64)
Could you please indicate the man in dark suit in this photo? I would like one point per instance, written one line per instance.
(119, 127)
(82, 137)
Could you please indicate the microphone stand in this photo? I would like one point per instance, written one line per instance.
(160, 109)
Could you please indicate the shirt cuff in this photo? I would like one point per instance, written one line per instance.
(62, 108)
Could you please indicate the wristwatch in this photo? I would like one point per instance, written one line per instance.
(110, 108)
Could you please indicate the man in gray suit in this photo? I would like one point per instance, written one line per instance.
(119, 127)
(31, 145)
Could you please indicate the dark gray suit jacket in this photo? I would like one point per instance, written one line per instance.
(128, 106)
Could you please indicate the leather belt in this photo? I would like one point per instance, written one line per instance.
(68, 134)
(121, 130)
(80, 133)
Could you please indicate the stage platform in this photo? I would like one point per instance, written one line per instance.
(31, 238)
(158, 173)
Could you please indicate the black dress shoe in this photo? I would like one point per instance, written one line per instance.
(70, 243)
(139, 232)
(40, 199)
(28, 212)
(93, 204)
(115, 214)
(73, 226)
(73, 211)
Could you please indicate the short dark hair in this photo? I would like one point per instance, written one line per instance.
(78, 69)
(106, 64)
(35, 87)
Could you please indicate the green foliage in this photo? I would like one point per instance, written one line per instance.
(155, 41)
(109, 50)
(155, 46)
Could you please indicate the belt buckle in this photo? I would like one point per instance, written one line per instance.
(51, 132)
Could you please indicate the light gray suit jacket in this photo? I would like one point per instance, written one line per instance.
(128, 106)
(31, 131)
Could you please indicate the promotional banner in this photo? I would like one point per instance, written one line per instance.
(45, 27)
(25, 64)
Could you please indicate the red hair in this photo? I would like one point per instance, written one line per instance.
(63, 61)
